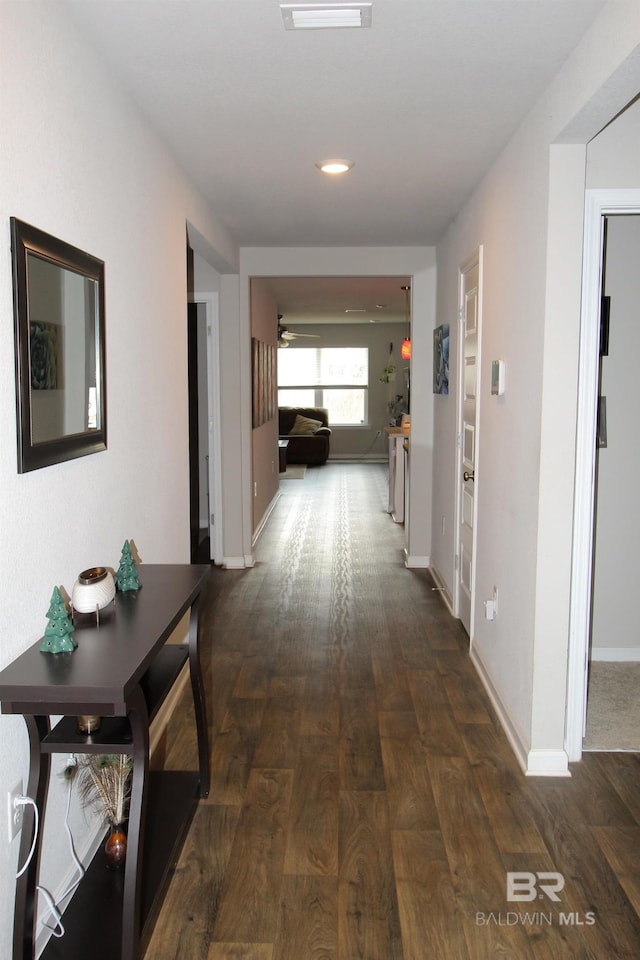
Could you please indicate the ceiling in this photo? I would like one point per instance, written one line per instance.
(321, 300)
(423, 101)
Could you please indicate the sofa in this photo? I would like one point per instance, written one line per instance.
(308, 432)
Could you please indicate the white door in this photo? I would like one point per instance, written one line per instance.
(469, 380)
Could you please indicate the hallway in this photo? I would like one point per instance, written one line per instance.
(364, 803)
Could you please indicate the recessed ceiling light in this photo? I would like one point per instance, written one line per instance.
(320, 16)
(335, 166)
(355, 310)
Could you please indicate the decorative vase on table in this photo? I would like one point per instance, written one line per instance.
(94, 589)
(104, 783)
(115, 848)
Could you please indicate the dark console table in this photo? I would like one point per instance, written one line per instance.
(122, 670)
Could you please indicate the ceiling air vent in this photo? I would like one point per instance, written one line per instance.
(321, 16)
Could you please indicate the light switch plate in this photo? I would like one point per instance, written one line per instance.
(497, 378)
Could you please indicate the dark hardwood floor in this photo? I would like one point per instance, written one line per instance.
(365, 804)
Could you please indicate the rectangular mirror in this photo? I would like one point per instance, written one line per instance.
(58, 296)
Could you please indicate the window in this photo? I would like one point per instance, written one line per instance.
(333, 377)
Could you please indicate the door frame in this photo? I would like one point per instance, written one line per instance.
(598, 204)
(476, 258)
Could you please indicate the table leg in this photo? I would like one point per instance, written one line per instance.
(139, 720)
(197, 688)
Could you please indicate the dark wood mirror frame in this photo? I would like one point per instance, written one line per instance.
(58, 297)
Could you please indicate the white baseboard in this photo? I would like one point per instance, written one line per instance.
(234, 563)
(239, 563)
(547, 763)
(442, 589)
(416, 561)
(616, 654)
(262, 524)
(534, 763)
(513, 736)
(355, 457)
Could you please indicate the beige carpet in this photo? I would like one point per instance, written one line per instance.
(294, 471)
(613, 707)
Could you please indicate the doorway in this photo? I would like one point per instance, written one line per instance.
(205, 482)
(200, 543)
(613, 690)
(590, 512)
(470, 314)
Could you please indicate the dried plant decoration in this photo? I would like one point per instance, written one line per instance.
(104, 783)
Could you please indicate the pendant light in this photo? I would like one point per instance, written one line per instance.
(405, 349)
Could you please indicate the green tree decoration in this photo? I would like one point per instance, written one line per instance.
(127, 575)
(58, 637)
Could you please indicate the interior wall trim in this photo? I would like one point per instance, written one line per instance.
(237, 563)
(416, 560)
(547, 763)
(518, 745)
(263, 522)
(442, 588)
(616, 654)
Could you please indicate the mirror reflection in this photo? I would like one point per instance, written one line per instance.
(59, 319)
(62, 351)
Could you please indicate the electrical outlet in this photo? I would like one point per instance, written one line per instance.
(491, 606)
(15, 812)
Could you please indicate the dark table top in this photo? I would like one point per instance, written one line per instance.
(110, 658)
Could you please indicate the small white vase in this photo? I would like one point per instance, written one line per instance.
(93, 590)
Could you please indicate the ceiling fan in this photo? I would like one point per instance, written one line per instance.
(285, 336)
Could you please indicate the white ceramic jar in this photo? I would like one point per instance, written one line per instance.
(93, 590)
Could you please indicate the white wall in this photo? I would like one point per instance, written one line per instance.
(612, 156)
(419, 264)
(527, 214)
(78, 161)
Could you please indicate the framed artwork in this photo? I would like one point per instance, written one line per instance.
(441, 359)
(255, 379)
(271, 382)
(263, 375)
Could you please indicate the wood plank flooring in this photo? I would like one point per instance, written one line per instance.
(365, 804)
